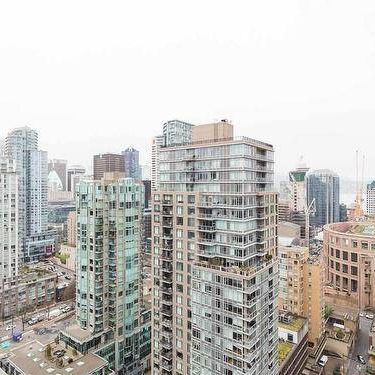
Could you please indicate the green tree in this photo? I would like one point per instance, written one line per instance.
(48, 351)
(328, 310)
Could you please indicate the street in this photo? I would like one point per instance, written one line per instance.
(17, 321)
(361, 347)
(44, 332)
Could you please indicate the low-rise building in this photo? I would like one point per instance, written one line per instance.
(293, 334)
(32, 288)
(341, 331)
(37, 359)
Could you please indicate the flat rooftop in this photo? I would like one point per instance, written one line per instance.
(31, 360)
(77, 332)
(294, 324)
(360, 229)
(284, 348)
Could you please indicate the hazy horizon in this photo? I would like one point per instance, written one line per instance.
(94, 78)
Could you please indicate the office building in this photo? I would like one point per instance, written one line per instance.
(370, 198)
(343, 212)
(177, 132)
(301, 284)
(106, 163)
(74, 170)
(108, 294)
(157, 143)
(132, 168)
(297, 180)
(349, 250)
(323, 186)
(9, 241)
(21, 145)
(59, 166)
(214, 248)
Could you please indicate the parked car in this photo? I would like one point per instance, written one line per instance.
(361, 314)
(10, 326)
(32, 321)
(323, 360)
(62, 307)
(361, 359)
(67, 277)
(370, 316)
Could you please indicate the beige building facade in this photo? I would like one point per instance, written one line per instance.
(301, 287)
(349, 251)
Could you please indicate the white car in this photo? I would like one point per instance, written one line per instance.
(369, 316)
(10, 326)
(323, 360)
(361, 314)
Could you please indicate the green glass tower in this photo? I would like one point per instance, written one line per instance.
(108, 306)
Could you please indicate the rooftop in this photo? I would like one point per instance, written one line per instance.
(284, 348)
(31, 359)
(366, 229)
(291, 322)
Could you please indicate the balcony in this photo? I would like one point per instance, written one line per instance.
(166, 344)
(167, 334)
(167, 279)
(166, 290)
(167, 354)
(207, 228)
(166, 255)
(167, 211)
(166, 310)
(167, 267)
(166, 366)
(167, 322)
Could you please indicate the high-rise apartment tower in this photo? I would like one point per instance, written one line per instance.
(214, 256)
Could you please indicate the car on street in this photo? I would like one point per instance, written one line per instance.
(370, 316)
(323, 360)
(10, 326)
(361, 359)
(361, 314)
(32, 321)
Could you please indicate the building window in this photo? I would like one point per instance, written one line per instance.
(353, 285)
(354, 257)
(345, 255)
(354, 270)
(337, 253)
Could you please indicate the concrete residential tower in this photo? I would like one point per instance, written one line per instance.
(21, 145)
(214, 247)
(9, 241)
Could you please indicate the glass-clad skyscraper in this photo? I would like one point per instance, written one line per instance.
(323, 186)
(108, 297)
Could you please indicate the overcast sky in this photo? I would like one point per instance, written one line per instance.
(100, 76)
